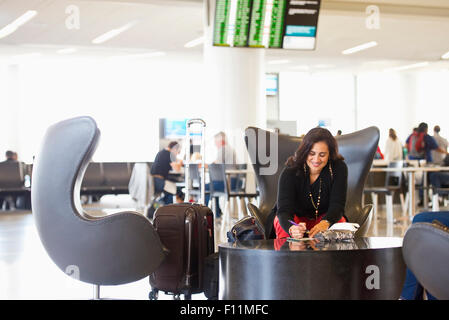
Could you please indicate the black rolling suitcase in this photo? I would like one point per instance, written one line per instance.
(187, 231)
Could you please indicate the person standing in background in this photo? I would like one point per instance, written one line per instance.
(407, 141)
(438, 157)
(393, 147)
(439, 179)
(225, 155)
(421, 144)
(379, 155)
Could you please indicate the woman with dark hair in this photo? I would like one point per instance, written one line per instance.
(312, 188)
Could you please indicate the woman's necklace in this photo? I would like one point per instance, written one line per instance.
(318, 201)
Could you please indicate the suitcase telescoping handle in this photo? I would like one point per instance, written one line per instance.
(189, 124)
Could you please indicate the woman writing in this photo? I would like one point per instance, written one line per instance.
(312, 188)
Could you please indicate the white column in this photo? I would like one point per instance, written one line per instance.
(409, 89)
(10, 115)
(235, 88)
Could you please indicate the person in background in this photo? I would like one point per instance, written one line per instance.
(438, 157)
(19, 201)
(164, 162)
(439, 179)
(339, 133)
(225, 155)
(420, 144)
(379, 155)
(10, 156)
(312, 187)
(393, 147)
(407, 141)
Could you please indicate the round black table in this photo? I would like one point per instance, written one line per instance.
(364, 268)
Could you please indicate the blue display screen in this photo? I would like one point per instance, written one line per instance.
(174, 128)
(271, 84)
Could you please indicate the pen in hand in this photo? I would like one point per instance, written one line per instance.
(296, 224)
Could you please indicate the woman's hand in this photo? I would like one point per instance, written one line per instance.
(321, 226)
(298, 231)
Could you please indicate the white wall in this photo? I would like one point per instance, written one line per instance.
(308, 98)
(403, 100)
(9, 108)
(432, 100)
(398, 100)
(386, 100)
(4, 121)
(126, 100)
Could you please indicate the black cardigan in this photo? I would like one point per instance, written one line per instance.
(293, 194)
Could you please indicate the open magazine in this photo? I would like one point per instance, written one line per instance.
(345, 226)
(338, 232)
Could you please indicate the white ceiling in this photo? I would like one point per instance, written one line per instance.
(410, 31)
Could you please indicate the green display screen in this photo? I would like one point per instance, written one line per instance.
(287, 24)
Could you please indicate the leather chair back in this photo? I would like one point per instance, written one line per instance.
(268, 183)
(108, 250)
(217, 173)
(94, 176)
(117, 174)
(426, 254)
(11, 175)
(357, 148)
(194, 173)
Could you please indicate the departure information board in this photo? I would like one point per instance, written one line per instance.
(288, 24)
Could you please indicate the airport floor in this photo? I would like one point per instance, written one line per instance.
(27, 272)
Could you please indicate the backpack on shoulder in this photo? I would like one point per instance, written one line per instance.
(417, 145)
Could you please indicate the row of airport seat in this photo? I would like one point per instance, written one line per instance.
(15, 192)
(100, 178)
(12, 177)
(103, 178)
